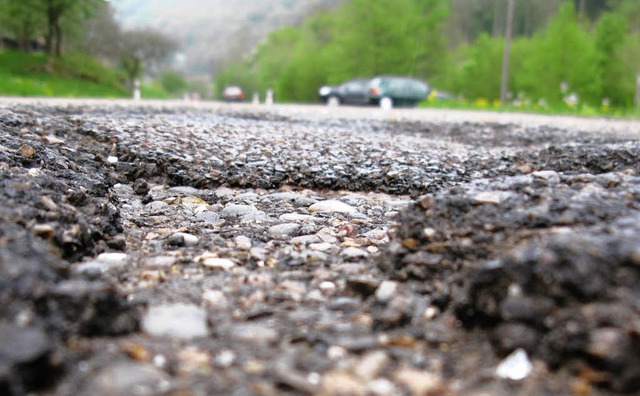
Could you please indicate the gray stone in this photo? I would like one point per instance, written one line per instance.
(237, 210)
(157, 205)
(242, 242)
(184, 190)
(103, 263)
(254, 333)
(550, 177)
(208, 217)
(182, 321)
(386, 291)
(305, 240)
(22, 345)
(256, 217)
(291, 217)
(180, 239)
(353, 252)
(332, 206)
(283, 230)
(160, 261)
(218, 263)
(127, 378)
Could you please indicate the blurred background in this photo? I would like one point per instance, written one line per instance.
(577, 56)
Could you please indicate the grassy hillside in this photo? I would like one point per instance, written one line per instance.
(73, 75)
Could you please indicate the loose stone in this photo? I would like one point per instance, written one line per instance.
(121, 378)
(332, 206)
(237, 210)
(218, 263)
(254, 333)
(242, 242)
(208, 216)
(181, 321)
(420, 382)
(386, 291)
(515, 366)
(487, 197)
(283, 230)
(353, 253)
(180, 239)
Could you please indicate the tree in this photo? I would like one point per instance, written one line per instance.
(71, 12)
(144, 48)
(21, 20)
(478, 76)
(504, 81)
(610, 38)
(630, 53)
(361, 38)
(470, 18)
(101, 34)
(563, 53)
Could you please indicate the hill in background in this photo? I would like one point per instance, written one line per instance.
(212, 32)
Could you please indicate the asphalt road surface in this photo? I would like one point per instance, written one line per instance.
(200, 248)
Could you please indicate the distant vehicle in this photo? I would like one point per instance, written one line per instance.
(353, 92)
(383, 91)
(392, 91)
(233, 94)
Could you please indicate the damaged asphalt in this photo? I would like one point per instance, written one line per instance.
(180, 249)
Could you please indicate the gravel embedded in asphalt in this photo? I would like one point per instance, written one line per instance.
(217, 249)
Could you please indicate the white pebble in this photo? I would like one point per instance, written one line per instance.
(386, 290)
(218, 263)
(516, 366)
(332, 206)
(182, 321)
(327, 287)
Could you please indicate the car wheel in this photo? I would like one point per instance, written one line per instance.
(386, 103)
(333, 101)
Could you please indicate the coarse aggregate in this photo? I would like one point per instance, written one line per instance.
(162, 248)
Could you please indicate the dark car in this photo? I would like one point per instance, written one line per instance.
(383, 91)
(352, 92)
(395, 91)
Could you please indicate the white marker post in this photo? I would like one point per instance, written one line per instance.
(136, 90)
(268, 100)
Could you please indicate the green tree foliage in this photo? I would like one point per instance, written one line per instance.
(100, 35)
(173, 83)
(144, 48)
(610, 40)
(591, 47)
(361, 38)
(21, 20)
(594, 63)
(563, 53)
(24, 20)
(65, 15)
(477, 77)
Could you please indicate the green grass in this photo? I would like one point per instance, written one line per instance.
(73, 75)
(153, 91)
(584, 110)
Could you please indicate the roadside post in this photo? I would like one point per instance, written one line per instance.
(136, 90)
(268, 100)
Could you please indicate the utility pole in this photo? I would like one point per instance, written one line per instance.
(638, 90)
(504, 82)
(582, 9)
